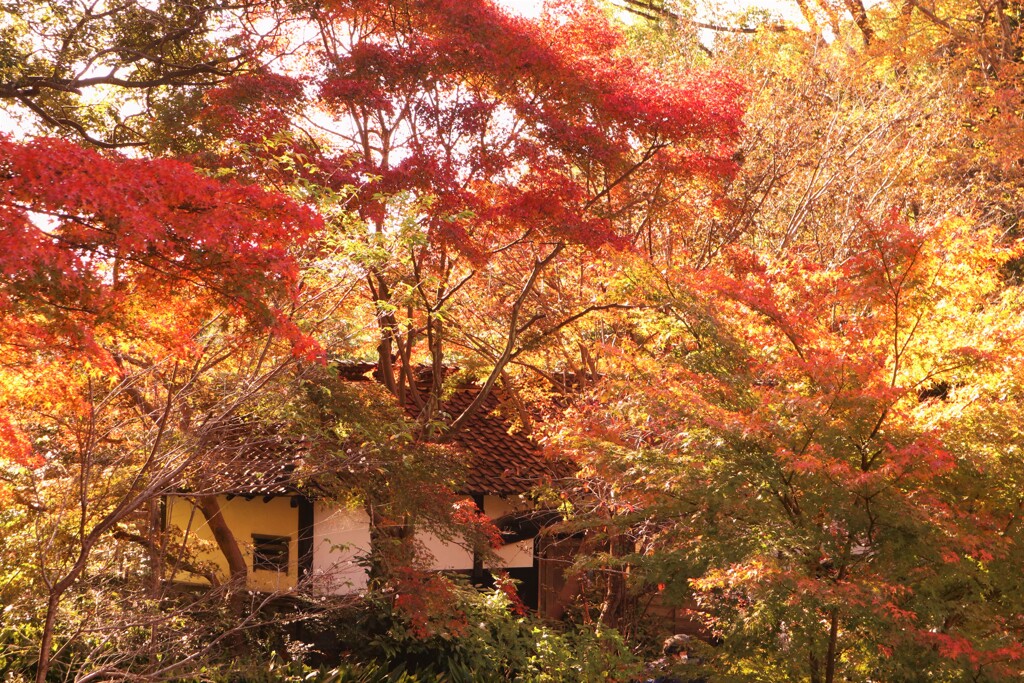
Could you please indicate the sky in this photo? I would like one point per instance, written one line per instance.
(712, 11)
(786, 8)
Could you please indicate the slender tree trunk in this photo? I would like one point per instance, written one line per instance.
(388, 545)
(378, 570)
(56, 591)
(860, 16)
(238, 569)
(381, 294)
(615, 586)
(814, 665)
(155, 548)
(46, 643)
(433, 403)
(833, 637)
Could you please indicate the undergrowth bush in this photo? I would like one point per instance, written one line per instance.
(475, 635)
(425, 628)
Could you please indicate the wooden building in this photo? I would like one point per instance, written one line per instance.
(293, 537)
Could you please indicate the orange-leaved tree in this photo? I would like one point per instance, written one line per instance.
(127, 283)
(825, 457)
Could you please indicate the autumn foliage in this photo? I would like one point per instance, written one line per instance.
(764, 291)
(89, 240)
(105, 255)
(800, 447)
(517, 129)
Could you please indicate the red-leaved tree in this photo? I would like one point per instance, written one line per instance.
(484, 150)
(127, 284)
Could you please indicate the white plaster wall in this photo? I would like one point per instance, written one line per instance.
(446, 556)
(449, 556)
(515, 554)
(339, 536)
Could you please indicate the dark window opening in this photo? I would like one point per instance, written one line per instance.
(270, 553)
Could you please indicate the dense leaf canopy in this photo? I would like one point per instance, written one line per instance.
(763, 289)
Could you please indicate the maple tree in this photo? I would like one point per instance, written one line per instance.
(126, 282)
(779, 308)
(482, 154)
(485, 149)
(765, 367)
(815, 460)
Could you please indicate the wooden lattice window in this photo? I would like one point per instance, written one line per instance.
(270, 553)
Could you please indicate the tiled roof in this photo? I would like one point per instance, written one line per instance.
(249, 459)
(354, 370)
(502, 463)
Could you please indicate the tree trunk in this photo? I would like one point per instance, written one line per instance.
(46, 643)
(388, 546)
(833, 637)
(238, 570)
(615, 585)
(385, 372)
(815, 667)
(860, 16)
(155, 549)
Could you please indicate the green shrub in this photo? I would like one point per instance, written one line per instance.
(478, 636)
